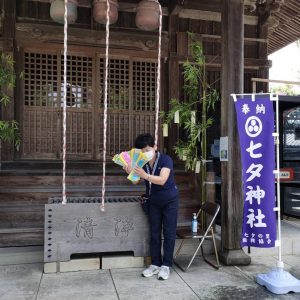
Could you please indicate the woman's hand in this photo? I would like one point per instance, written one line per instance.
(127, 169)
(140, 172)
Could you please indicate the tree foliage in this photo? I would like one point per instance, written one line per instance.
(286, 89)
(9, 130)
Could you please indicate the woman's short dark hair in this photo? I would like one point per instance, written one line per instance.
(144, 140)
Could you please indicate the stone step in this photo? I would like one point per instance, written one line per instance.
(125, 261)
(86, 264)
(290, 246)
(21, 255)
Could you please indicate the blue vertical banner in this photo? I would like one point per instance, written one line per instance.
(255, 121)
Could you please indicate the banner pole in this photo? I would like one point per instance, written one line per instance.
(280, 262)
(278, 281)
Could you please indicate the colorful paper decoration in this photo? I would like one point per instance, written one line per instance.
(134, 157)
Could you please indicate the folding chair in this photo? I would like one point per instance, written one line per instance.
(210, 209)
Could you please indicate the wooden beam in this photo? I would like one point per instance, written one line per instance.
(249, 2)
(175, 6)
(82, 3)
(212, 16)
(176, 10)
(131, 7)
(216, 61)
(276, 81)
(206, 5)
(217, 38)
(191, 9)
(132, 40)
(123, 6)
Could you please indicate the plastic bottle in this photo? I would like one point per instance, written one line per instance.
(194, 223)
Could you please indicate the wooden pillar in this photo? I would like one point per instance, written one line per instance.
(8, 13)
(232, 82)
(262, 54)
(173, 81)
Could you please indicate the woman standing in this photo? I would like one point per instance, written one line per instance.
(163, 206)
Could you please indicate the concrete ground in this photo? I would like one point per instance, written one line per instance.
(27, 281)
(22, 277)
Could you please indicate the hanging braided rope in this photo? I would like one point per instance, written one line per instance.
(102, 206)
(64, 195)
(158, 77)
(105, 104)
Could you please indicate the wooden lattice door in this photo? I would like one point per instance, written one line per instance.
(41, 117)
(131, 104)
(144, 94)
(80, 106)
(43, 96)
(118, 106)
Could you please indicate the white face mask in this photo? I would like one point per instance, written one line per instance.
(149, 155)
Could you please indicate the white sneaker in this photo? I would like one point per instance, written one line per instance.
(150, 271)
(164, 273)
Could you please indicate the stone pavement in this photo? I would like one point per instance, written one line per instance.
(22, 277)
(27, 281)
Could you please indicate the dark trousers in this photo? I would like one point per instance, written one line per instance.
(163, 217)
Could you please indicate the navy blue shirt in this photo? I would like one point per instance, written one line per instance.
(168, 190)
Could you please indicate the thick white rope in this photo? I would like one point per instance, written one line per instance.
(158, 77)
(102, 207)
(105, 104)
(65, 103)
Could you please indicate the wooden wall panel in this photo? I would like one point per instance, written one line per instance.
(22, 199)
(40, 137)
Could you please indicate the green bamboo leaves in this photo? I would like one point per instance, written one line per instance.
(9, 130)
(200, 101)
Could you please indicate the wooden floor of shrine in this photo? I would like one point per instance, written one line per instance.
(25, 187)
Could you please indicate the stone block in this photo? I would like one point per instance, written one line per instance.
(116, 262)
(73, 265)
(50, 267)
(78, 228)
